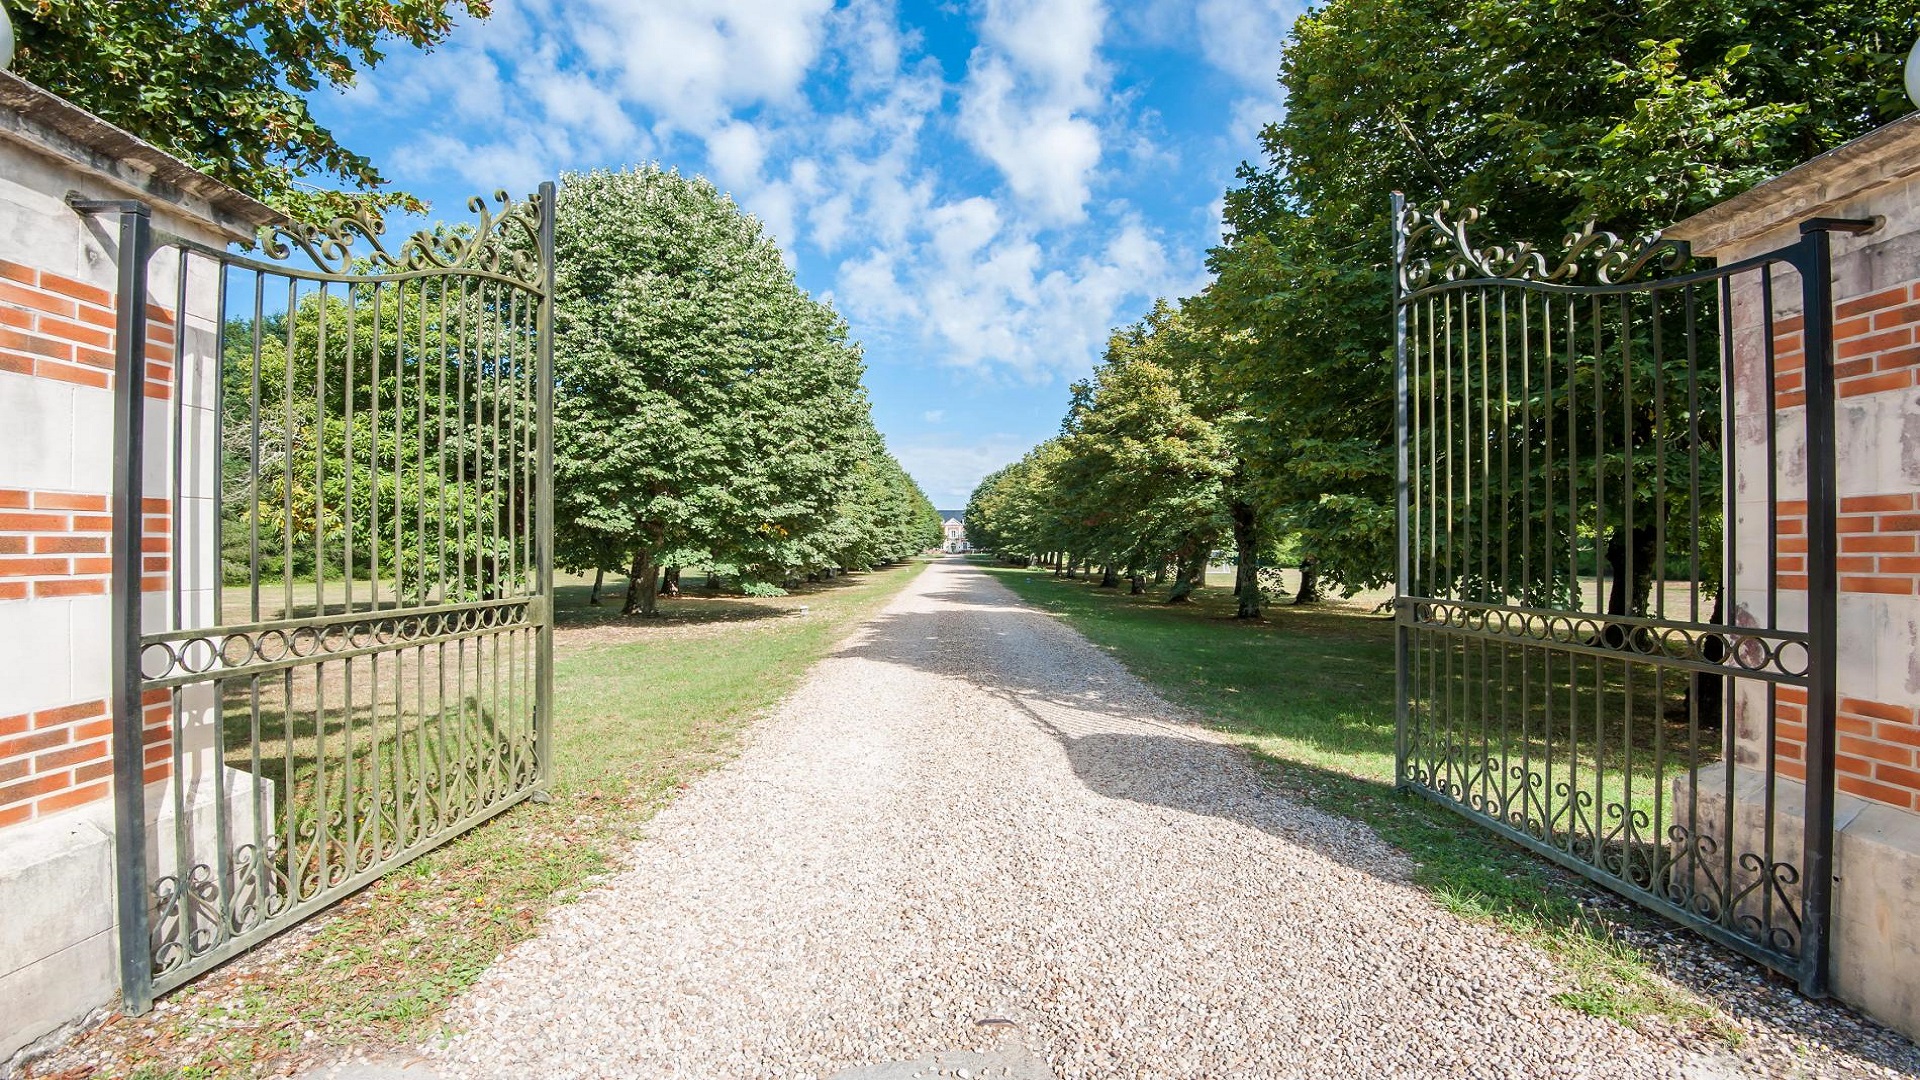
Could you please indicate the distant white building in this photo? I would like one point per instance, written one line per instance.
(954, 522)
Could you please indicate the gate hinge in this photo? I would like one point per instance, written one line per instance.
(106, 206)
(1856, 226)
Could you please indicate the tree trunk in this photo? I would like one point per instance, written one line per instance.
(1109, 579)
(671, 585)
(1631, 584)
(1706, 692)
(599, 579)
(1246, 544)
(1136, 584)
(1631, 592)
(643, 585)
(1188, 577)
(1309, 582)
(1160, 571)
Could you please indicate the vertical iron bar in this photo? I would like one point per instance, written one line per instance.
(253, 459)
(1729, 577)
(319, 459)
(373, 455)
(216, 421)
(1479, 503)
(1659, 570)
(286, 468)
(1525, 583)
(1628, 493)
(1769, 408)
(543, 706)
(1402, 496)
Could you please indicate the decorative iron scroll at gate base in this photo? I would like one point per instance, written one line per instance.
(333, 566)
(1616, 603)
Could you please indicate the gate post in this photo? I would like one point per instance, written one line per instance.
(129, 457)
(1823, 583)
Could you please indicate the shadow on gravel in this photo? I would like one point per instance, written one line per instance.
(1123, 745)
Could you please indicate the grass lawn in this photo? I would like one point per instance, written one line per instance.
(1310, 690)
(643, 707)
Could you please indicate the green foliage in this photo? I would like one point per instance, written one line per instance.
(1552, 114)
(1135, 475)
(383, 433)
(224, 86)
(707, 409)
(1148, 472)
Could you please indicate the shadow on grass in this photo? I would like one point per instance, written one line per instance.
(696, 605)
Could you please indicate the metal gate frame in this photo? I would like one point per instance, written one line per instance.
(216, 914)
(1434, 259)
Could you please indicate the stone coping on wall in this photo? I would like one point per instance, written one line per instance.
(54, 127)
(1883, 156)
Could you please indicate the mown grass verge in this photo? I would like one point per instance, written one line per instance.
(642, 708)
(1310, 691)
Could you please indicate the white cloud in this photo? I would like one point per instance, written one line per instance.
(1009, 305)
(934, 416)
(1044, 151)
(579, 82)
(836, 129)
(829, 219)
(948, 470)
(737, 152)
(1243, 37)
(1032, 86)
(871, 287)
(963, 228)
(692, 63)
(1054, 42)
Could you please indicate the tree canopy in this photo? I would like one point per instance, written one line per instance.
(1550, 113)
(223, 86)
(707, 410)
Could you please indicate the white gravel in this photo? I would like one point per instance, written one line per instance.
(970, 826)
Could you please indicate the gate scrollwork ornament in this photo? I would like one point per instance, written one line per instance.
(1439, 249)
(503, 242)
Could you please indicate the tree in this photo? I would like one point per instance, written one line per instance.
(1145, 467)
(1628, 116)
(1142, 473)
(1016, 512)
(392, 444)
(706, 408)
(223, 86)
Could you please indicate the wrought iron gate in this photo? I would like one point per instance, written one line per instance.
(1617, 566)
(333, 565)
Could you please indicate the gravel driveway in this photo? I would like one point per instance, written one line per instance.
(972, 834)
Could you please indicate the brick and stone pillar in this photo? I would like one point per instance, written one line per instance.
(58, 272)
(1876, 330)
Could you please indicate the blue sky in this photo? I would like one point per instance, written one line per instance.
(983, 189)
